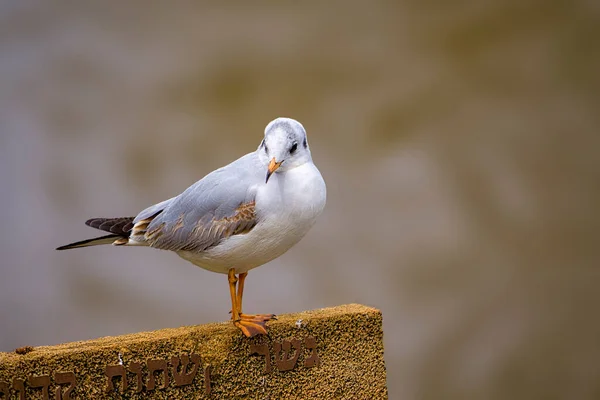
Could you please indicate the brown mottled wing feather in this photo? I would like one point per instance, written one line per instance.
(241, 222)
(119, 226)
(184, 234)
(218, 206)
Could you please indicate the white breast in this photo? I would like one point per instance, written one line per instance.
(286, 207)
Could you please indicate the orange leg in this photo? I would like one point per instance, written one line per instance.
(240, 291)
(250, 325)
(235, 314)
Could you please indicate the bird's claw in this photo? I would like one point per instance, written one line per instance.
(252, 325)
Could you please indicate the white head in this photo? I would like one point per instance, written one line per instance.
(284, 147)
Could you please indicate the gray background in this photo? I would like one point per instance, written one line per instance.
(459, 143)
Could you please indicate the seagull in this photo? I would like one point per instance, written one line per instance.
(236, 218)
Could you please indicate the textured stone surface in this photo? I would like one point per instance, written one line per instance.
(349, 362)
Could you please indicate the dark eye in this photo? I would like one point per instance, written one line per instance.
(293, 148)
(304, 143)
(264, 146)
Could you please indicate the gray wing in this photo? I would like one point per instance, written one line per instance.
(152, 211)
(218, 206)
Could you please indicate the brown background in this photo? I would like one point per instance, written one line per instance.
(459, 143)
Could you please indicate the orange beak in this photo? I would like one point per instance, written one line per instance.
(273, 165)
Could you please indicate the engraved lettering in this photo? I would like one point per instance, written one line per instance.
(185, 378)
(63, 378)
(184, 370)
(157, 366)
(41, 382)
(262, 350)
(113, 371)
(4, 389)
(19, 386)
(136, 368)
(285, 363)
(310, 343)
(207, 387)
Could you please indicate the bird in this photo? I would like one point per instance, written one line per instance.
(236, 218)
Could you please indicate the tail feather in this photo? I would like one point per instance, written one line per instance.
(108, 239)
(119, 229)
(119, 226)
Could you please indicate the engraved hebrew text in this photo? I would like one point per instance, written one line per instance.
(310, 343)
(285, 358)
(19, 386)
(283, 361)
(42, 382)
(136, 368)
(155, 366)
(113, 371)
(64, 378)
(262, 350)
(181, 376)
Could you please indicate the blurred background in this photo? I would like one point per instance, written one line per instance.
(459, 143)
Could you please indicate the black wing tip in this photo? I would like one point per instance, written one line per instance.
(95, 222)
(69, 246)
(83, 243)
(120, 225)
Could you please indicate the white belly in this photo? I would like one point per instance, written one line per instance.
(286, 208)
